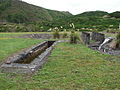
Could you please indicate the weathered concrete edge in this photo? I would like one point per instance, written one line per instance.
(28, 68)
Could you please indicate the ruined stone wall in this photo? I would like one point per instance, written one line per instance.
(98, 37)
(85, 37)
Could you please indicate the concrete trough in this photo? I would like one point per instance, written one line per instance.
(29, 61)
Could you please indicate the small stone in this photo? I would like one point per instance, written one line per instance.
(8, 62)
(32, 69)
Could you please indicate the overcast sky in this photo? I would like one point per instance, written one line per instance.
(78, 6)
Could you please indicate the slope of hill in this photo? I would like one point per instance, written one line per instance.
(93, 13)
(115, 14)
(91, 19)
(19, 12)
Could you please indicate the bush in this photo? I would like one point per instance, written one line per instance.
(118, 40)
(3, 29)
(56, 34)
(74, 37)
(65, 35)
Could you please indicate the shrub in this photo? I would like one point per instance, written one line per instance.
(65, 35)
(118, 40)
(74, 37)
(56, 34)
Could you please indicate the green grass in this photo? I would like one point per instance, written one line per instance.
(69, 67)
(9, 46)
(110, 35)
(3, 35)
(9, 35)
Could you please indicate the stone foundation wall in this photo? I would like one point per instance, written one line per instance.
(98, 37)
(85, 37)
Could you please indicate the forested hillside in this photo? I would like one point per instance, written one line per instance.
(26, 17)
(92, 19)
(17, 11)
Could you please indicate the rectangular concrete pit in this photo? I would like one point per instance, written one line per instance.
(31, 60)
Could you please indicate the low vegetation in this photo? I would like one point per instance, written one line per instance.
(74, 37)
(8, 46)
(65, 34)
(56, 33)
(118, 40)
(70, 66)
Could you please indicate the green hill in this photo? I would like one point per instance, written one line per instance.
(34, 18)
(115, 14)
(17, 11)
(91, 19)
(93, 13)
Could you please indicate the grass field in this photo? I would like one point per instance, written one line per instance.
(110, 35)
(3, 35)
(9, 46)
(69, 67)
